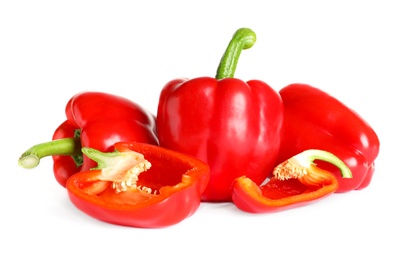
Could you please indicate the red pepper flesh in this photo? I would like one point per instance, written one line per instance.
(314, 119)
(296, 182)
(167, 193)
(232, 125)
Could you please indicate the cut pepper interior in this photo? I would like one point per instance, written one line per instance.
(295, 182)
(139, 185)
(127, 177)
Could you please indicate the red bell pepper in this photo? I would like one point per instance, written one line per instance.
(232, 125)
(314, 119)
(96, 120)
(139, 185)
(296, 182)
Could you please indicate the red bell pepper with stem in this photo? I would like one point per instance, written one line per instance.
(97, 120)
(232, 125)
(296, 182)
(139, 185)
(313, 119)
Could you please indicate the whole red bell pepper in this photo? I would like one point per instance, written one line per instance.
(97, 120)
(313, 119)
(232, 125)
(139, 185)
(296, 182)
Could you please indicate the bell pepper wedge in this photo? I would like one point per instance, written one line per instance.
(295, 182)
(232, 125)
(139, 185)
(96, 120)
(313, 119)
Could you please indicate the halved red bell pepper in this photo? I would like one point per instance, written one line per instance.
(296, 182)
(232, 125)
(97, 120)
(139, 185)
(313, 119)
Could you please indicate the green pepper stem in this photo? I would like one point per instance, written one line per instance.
(308, 156)
(243, 39)
(65, 146)
(114, 161)
(102, 159)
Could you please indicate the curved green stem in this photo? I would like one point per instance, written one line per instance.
(115, 166)
(308, 156)
(103, 160)
(243, 39)
(66, 146)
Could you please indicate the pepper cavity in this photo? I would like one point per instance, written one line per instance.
(296, 182)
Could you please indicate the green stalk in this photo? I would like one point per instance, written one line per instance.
(243, 39)
(308, 157)
(66, 146)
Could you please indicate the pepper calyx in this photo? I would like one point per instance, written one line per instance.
(121, 168)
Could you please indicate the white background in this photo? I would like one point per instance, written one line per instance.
(51, 50)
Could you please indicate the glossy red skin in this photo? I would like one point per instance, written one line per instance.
(315, 120)
(232, 125)
(180, 178)
(103, 119)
